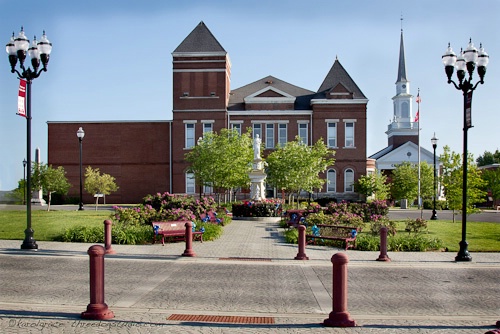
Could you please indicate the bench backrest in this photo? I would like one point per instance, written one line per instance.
(337, 231)
(170, 226)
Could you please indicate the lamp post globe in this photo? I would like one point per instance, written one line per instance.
(18, 48)
(434, 216)
(80, 134)
(465, 63)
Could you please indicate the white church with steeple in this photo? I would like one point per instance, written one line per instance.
(403, 131)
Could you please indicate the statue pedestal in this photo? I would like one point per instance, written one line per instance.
(257, 188)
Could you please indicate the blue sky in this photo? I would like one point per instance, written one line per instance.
(111, 60)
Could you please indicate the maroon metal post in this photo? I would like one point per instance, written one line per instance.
(107, 237)
(339, 317)
(493, 331)
(189, 240)
(301, 255)
(97, 309)
(383, 245)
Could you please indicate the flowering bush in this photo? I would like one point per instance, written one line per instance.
(265, 208)
(364, 210)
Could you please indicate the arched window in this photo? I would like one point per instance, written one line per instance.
(331, 179)
(190, 183)
(349, 180)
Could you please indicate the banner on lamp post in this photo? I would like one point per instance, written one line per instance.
(21, 98)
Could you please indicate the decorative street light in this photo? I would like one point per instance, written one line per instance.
(80, 134)
(24, 181)
(17, 48)
(467, 60)
(434, 141)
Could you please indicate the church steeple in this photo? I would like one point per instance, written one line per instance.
(402, 128)
(402, 63)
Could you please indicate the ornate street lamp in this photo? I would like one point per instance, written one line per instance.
(80, 134)
(434, 141)
(38, 51)
(466, 61)
(24, 181)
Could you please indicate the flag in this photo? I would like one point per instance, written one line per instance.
(21, 98)
(418, 100)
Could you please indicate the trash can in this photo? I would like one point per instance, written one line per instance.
(404, 204)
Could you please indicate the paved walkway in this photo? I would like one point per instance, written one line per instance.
(248, 275)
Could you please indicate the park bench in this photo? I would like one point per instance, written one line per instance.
(211, 217)
(176, 229)
(333, 232)
(294, 217)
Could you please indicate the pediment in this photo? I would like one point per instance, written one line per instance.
(406, 152)
(340, 92)
(269, 95)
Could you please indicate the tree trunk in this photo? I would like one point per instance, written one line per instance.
(49, 200)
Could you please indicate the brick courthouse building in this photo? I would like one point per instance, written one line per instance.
(148, 157)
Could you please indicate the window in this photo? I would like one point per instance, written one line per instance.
(207, 127)
(331, 178)
(208, 189)
(270, 135)
(237, 127)
(349, 180)
(189, 135)
(190, 183)
(303, 133)
(332, 135)
(405, 110)
(282, 134)
(349, 134)
(257, 130)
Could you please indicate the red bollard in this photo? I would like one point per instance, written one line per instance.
(383, 245)
(339, 317)
(97, 309)
(107, 237)
(301, 255)
(189, 240)
(493, 331)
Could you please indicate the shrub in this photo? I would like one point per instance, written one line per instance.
(292, 236)
(376, 223)
(256, 209)
(403, 243)
(131, 234)
(319, 218)
(83, 233)
(416, 226)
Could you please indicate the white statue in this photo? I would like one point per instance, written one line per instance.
(256, 147)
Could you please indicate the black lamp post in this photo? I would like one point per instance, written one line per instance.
(17, 48)
(24, 181)
(434, 141)
(80, 134)
(466, 61)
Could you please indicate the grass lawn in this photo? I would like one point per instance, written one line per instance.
(47, 225)
(482, 237)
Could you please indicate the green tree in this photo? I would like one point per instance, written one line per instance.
(50, 180)
(295, 167)
(373, 186)
(491, 177)
(405, 181)
(97, 183)
(222, 161)
(19, 194)
(452, 181)
(488, 158)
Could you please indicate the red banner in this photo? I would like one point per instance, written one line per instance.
(21, 99)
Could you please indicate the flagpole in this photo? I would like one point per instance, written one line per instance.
(418, 124)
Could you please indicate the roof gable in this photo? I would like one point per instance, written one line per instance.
(200, 40)
(338, 75)
(272, 89)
